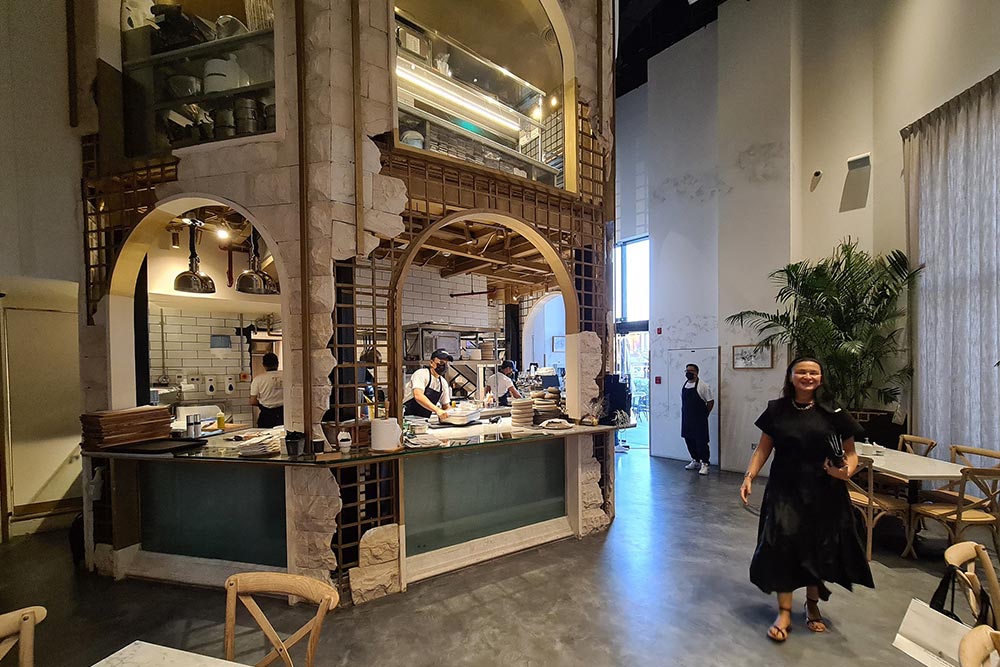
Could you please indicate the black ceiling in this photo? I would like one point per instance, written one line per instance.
(646, 27)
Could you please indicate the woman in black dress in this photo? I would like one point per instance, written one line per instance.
(807, 533)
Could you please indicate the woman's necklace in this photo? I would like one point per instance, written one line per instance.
(807, 406)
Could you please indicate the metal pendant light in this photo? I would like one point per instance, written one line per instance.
(253, 280)
(193, 280)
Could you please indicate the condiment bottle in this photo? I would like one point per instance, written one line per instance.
(220, 421)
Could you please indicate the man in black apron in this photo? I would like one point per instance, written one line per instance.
(697, 402)
(427, 391)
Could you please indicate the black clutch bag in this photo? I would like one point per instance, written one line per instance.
(836, 450)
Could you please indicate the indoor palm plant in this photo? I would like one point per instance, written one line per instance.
(846, 310)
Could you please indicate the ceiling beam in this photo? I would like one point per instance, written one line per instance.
(483, 258)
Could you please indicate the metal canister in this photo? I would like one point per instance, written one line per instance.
(246, 115)
(224, 125)
(194, 426)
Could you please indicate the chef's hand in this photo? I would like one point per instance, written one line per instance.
(442, 414)
(745, 490)
(837, 473)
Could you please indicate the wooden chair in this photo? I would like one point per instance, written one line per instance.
(19, 626)
(244, 586)
(967, 510)
(875, 506)
(960, 454)
(964, 557)
(913, 444)
(977, 647)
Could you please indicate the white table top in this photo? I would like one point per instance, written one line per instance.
(142, 654)
(913, 467)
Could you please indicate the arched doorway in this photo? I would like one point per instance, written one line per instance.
(158, 236)
(562, 277)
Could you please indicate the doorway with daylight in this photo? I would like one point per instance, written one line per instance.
(631, 267)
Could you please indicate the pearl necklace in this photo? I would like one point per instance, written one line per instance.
(808, 406)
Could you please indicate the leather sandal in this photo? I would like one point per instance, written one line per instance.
(779, 634)
(813, 623)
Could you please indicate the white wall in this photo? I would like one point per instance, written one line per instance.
(684, 183)
(40, 164)
(546, 319)
(631, 155)
(426, 299)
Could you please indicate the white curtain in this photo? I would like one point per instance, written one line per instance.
(952, 175)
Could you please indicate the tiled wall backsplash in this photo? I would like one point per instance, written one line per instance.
(187, 347)
(425, 299)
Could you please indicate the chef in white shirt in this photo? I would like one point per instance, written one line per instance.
(427, 391)
(501, 383)
(267, 393)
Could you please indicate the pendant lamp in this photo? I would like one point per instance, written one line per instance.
(193, 280)
(253, 280)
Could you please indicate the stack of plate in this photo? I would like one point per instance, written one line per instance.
(488, 348)
(522, 412)
(538, 394)
(552, 394)
(545, 409)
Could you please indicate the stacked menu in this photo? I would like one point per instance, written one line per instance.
(123, 427)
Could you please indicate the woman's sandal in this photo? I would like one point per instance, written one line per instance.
(815, 624)
(778, 634)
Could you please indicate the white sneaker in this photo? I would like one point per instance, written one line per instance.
(704, 469)
(694, 465)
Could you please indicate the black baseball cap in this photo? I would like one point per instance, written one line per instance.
(441, 353)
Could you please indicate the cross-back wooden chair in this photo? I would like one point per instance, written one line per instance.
(243, 586)
(19, 626)
(977, 647)
(974, 569)
(875, 506)
(967, 510)
(961, 455)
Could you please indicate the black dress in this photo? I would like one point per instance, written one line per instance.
(808, 532)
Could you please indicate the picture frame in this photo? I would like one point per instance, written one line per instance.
(748, 357)
(559, 344)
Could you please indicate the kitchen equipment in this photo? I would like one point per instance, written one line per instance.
(475, 354)
(221, 74)
(270, 118)
(412, 138)
(193, 426)
(182, 85)
(386, 435)
(344, 442)
(462, 415)
(229, 26)
(225, 126)
(245, 114)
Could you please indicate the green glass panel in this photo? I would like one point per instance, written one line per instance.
(224, 511)
(452, 498)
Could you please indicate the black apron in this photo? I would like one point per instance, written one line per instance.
(271, 417)
(694, 414)
(414, 409)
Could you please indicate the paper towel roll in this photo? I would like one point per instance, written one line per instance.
(386, 435)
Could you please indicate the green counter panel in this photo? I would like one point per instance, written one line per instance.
(222, 511)
(456, 497)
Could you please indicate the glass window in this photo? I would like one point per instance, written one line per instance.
(631, 262)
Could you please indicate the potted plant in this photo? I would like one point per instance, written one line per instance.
(846, 310)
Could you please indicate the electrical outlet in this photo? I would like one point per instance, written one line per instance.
(195, 380)
(753, 446)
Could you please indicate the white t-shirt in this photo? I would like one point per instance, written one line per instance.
(704, 390)
(500, 384)
(269, 389)
(420, 379)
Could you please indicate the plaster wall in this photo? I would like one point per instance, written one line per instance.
(632, 128)
(685, 190)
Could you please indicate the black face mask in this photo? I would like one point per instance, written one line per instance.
(441, 368)
(689, 375)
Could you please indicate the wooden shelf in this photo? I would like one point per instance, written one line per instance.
(203, 50)
(202, 98)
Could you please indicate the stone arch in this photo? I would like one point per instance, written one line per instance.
(564, 280)
(118, 304)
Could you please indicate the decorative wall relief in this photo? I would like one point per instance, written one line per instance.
(698, 188)
(764, 162)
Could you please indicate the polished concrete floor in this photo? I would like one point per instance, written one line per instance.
(666, 585)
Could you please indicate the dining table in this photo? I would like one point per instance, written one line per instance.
(144, 654)
(912, 469)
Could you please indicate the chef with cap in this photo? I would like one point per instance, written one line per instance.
(427, 391)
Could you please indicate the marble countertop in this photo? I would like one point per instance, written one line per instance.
(143, 654)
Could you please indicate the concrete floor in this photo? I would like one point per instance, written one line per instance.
(667, 585)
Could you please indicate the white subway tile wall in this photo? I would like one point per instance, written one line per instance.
(186, 347)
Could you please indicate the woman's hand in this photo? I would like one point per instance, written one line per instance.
(837, 473)
(745, 490)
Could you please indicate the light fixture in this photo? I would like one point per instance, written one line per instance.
(175, 240)
(253, 280)
(554, 101)
(193, 280)
(222, 233)
(412, 77)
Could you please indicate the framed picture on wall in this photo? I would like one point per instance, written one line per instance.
(748, 357)
(559, 343)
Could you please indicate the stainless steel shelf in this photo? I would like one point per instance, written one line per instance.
(203, 50)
